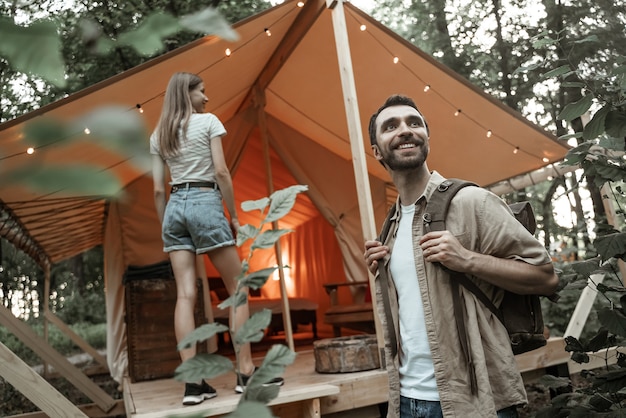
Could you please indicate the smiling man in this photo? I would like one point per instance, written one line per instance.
(428, 376)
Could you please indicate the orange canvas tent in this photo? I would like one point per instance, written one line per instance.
(281, 100)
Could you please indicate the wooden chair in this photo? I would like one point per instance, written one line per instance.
(358, 316)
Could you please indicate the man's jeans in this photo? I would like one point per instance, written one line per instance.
(413, 408)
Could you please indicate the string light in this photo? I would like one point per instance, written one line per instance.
(87, 131)
(300, 3)
(139, 108)
(228, 52)
(426, 88)
(489, 133)
(516, 150)
(545, 159)
(395, 60)
(268, 32)
(363, 27)
(458, 112)
(30, 150)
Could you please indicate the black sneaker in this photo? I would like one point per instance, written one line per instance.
(196, 393)
(242, 381)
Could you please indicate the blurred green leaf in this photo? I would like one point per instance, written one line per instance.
(118, 129)
(237, 299)
(268, 238)
(44, 131)
(147, 39)
(527, 68)
(613, 320)
(263, 393)
(574, 110)
(595, 127)
(209, 21)
(34, 49)
(203, 366)
(616, 124)
(557, 71)
(250, 205)
(72, 178)
(599, 341)
(611, 245)
(248, 409)
(245, 233)
(554, 382)
(253, 329)
(258, 278)
(282, 202)
(202, 333)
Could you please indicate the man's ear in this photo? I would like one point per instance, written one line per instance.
(376, 152)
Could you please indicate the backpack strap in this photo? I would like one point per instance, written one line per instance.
(435, 220)
(384, 286)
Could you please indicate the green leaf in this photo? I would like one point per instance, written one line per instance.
(616, 124)
(147, 39)
(274, 363)
(253, 329)
(557, 71)
(268, 238)
(45, 131)
(209, 21)
(527, 68)
(599, 341)
(577, 84)
(573, 345)
(585, 268)
(570, 136)
(543, 42)
(282, 201)
(237, 299)
(554, 382)
(247, 409)
(203, 366)
(574, 110)
(73, 178)
(35, 49)
(613, 320)
(119, 129)
(245, 233)
(263, 394)
(250, 205)
(257, 279)
(590, 38)
(202, 333)
(611, 245)
(595, 127)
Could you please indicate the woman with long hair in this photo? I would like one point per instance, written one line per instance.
(189, 142)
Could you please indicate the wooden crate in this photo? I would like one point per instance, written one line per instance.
(150, 334)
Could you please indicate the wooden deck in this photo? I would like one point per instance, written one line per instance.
(305, 394)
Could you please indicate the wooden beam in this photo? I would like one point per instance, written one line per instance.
(361, 175)
(259, 103)
(76, 339)
(35, 387)
(91, 410)
(551, 354)
(54, 358)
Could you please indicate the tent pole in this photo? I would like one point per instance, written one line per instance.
(361, 175)
(260, 105)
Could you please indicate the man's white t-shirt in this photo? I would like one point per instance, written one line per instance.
(417, 372)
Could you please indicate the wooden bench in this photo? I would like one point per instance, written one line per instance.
(358, 316)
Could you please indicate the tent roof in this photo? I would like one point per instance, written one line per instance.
(293, 77)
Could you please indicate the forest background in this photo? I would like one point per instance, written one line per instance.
(560, 63)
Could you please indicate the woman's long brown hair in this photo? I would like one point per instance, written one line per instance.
(176, 111)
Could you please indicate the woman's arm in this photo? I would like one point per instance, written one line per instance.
(224, 180)
(158, 176)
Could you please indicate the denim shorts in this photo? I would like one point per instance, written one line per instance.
(414, 408)
(194, 220)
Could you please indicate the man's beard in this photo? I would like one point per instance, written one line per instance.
(397, 164)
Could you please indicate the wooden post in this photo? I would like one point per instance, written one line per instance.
(260, 106)
(46, 308)
(353, 118)
(23, 378)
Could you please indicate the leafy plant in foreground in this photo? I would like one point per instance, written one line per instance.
(207, 366)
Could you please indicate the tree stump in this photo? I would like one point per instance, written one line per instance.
(356, 353)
